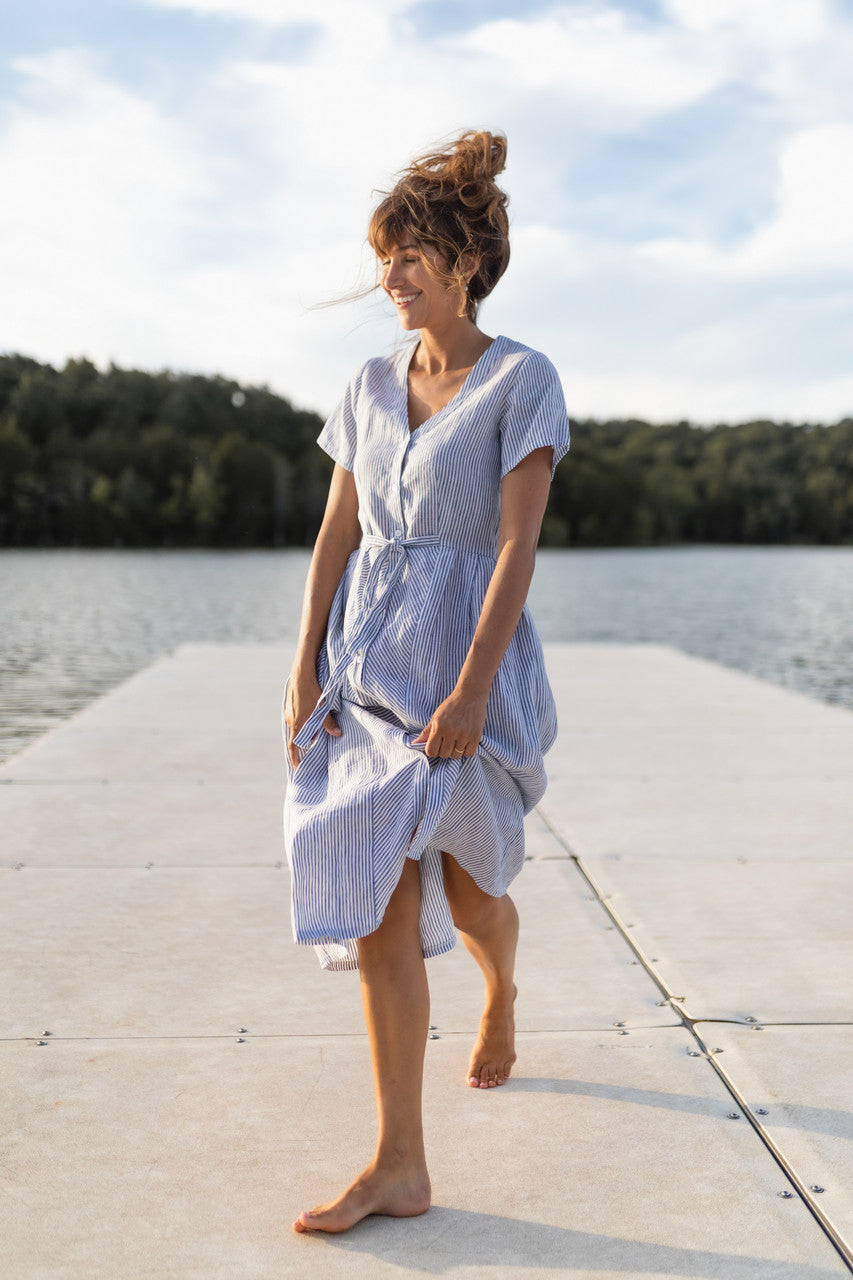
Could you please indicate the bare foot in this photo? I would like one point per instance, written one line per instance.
(400, 1191)
(494, 1052)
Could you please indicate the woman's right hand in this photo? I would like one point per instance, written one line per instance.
(303, 694)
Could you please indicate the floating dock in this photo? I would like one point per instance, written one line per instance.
(178, 1079)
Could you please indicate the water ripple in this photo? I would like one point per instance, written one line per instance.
(76, 623)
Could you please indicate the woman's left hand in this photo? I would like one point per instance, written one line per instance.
(456, 727)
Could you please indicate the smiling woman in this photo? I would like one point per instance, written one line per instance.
(418, 710)
(467, 237)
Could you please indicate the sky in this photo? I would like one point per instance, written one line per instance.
(186, 182)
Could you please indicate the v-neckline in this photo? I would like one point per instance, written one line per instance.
(469, 376)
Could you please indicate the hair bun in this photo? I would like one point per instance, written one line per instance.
(475, 156)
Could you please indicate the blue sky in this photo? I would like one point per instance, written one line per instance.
(184, 179)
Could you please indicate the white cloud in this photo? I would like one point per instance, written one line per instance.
(797, 53)
(672, 339)
(107, 202)
(773, 21)
(598, 59)
(813, 226)
(280, 13)
(128, 231)
(99, 192)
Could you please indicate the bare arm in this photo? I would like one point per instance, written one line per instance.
(340, 534)
(458, 723)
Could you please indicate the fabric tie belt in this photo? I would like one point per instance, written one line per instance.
(392, 553)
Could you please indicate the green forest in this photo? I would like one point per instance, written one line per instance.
(128, 458)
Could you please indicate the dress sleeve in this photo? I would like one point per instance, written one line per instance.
(338, 437)
(534, 414)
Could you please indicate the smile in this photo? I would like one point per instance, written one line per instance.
(404, 299)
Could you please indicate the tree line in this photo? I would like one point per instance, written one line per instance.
(135, 459)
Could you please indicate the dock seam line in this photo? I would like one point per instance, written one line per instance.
(841, 1246)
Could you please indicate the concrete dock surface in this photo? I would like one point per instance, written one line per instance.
(178, 1079)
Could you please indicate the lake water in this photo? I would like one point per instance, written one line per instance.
(74, 623)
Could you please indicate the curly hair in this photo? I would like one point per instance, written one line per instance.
(450, 201)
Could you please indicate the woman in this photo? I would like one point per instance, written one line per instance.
(418, 709)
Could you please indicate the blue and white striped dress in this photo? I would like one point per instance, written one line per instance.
(399, 629)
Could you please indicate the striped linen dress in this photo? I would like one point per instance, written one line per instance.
(399, 629)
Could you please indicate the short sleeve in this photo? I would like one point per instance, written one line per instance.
(534, 413)
(338, 437)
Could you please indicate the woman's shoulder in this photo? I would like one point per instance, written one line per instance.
(378, 372)
(518, 353)
(523, 367)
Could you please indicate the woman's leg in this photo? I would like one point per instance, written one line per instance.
(489, 929)
(396, 1009)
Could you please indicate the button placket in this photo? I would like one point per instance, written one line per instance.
(399, 527)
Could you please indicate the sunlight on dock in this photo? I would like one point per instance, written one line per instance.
(180, 1079)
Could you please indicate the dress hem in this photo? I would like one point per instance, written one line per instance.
(350, 964)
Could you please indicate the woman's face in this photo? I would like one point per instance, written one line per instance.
(421, 301)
